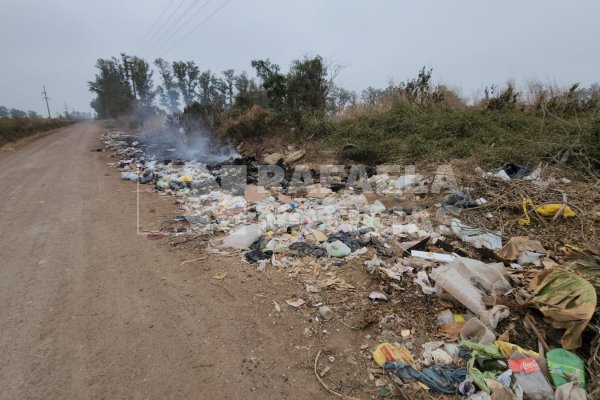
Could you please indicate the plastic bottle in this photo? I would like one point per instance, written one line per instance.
(475, 331)
(460, 288)
(463, 290)
(530, 378)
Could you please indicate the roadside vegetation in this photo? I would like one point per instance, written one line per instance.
(404, 124)
(407, 122)
(15, 126)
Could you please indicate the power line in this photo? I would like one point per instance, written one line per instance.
(155, 35)
(198, 26)
(141, 42)
(168, 30)
(166, 38)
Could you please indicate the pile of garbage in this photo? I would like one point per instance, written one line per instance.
(490, 288)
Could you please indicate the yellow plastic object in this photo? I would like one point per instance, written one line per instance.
(526, 202)
(459, 318)
(550, 210)
(506, 349)
(186, 178)
(387, 352)
(547, 210)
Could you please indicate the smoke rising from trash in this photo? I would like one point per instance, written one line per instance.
(170, 139)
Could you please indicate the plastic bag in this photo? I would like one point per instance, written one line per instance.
(388, 352)
(243, 237)
(337, 249)
(475, 236)
(565, 366)
(550, 210)
(457, 279)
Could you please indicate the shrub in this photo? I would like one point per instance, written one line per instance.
(12, 130)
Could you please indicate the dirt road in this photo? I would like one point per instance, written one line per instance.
(90, 310)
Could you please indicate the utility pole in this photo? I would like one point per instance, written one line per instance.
(66, 111)
(45, 97)
(129, 72)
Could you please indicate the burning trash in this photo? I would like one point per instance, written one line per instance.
(477, 331)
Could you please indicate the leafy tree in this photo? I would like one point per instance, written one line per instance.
(419, 89)
(301, 93)
(33, 114)
(211, 100)
(229, 83)
(248, 93)
(307, 86)
(339, 98)
(112, 88)
(169, 95)
(4, 113)
(371, 96)
(16, 113)
(218, 91)
(204, 87)
(273, 81)
(187, 74)
(211, 89)
(141, 75)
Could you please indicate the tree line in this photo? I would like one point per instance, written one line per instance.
(306, 88)
(304, 94)
(15, 113)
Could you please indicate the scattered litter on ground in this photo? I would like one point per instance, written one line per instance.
(487, 290)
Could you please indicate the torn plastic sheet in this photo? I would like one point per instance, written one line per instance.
(423, 280)
(514, 171)
(378, 296)
(462, 279)
(428, 255)
(477, 237)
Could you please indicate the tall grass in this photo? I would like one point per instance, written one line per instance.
(13, 129)
(506, 125)
(417, 121)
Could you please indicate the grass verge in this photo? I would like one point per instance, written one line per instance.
(13, 129)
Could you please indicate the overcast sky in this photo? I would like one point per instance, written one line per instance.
(468, 43)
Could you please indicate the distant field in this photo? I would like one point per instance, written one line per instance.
(12, 129)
